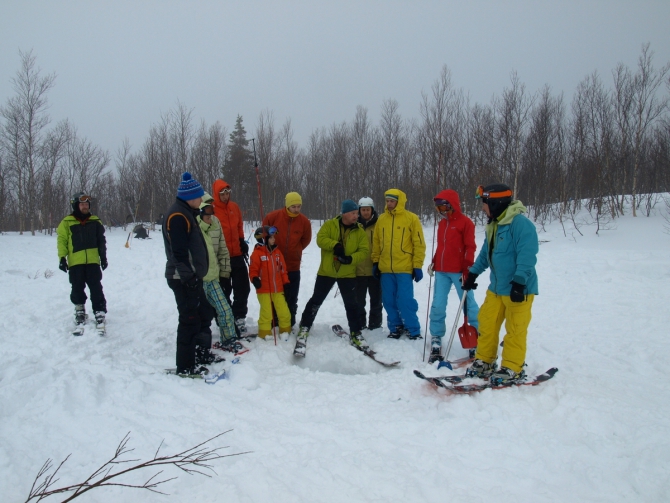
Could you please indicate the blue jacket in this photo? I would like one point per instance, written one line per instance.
(510, 250)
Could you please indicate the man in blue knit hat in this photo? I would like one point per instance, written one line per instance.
(187, 263)
(343, 244)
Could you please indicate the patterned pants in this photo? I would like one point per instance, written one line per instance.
(224, 315)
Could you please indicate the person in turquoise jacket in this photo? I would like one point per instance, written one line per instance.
(510, 251)
(343, 244)
(82, 251)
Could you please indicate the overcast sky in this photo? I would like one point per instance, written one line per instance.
(121, 64)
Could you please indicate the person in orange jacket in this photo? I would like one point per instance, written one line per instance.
(295, 234)
(237, 284)
(267, 272)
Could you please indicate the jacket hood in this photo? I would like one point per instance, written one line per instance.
(515, 208)
(451, 196)
(402, 200)
(217, 187)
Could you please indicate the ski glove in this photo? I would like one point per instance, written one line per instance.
(346, 259)
(244, 248)
(103, 263)
(375, 271)
(431, 271)
(417, 274)
(192, 284)
(63, 264)
(338, 250)
(469, 283)
(256, 281)
(517, 293)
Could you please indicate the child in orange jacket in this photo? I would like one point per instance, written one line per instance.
(267, 272)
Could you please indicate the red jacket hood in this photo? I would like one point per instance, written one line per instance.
(452, 197)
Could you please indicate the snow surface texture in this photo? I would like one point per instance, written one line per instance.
(335, 426)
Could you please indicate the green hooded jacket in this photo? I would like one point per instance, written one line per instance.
(355, 243)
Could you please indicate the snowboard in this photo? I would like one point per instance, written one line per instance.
(340, 332)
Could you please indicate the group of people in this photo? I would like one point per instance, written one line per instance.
(366, 254)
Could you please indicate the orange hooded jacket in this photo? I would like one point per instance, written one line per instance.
(230, 216)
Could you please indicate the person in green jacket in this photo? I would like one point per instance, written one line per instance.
(82, 251)
(343, 244)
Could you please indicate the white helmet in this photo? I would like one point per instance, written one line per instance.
(366, 201)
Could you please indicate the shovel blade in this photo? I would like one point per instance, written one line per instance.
(468, 336)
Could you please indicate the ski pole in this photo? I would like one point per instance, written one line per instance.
(453, 332)
(258, 181)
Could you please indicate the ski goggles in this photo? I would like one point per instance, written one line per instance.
(84, 199)
(226, 191)
(270, 231)
(265, 231)
(442, 205)
(480, 193)
(207, 210)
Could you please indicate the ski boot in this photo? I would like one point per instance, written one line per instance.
(100, 322)
(481, 369)
(435, 350)
(241, 325)
(79, 319)
(398, 332)
(506, 377)
(301, 342)
(195, 372)
(356, 339)
(203, 356)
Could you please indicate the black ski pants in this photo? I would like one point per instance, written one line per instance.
(193, 314)
(291, 294)
(91, 275)
(322, 287)
(238, 285)
(371, 285)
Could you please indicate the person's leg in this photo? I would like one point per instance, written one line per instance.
(438, 308)
(224, 315)
(264, 315)
(375, 290)
(291, 292)
(361, 293)
(77, 276)
(348, 290)
(239, 275)
(517, 319)
(407, 304)
(283, 312)
(94, 282)
(189, 324)
(389, 289)
(322, 286)
(473, 307)
(491, 316)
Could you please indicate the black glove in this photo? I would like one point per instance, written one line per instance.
(103, 263)
(256, 281)
(63, 264)
(192, 284)
(375, 271)
(346, 259)
(244, 247)
(338, 250)
(470, 282)
(518, 292)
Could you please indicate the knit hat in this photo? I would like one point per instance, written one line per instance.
(348, 205)
(366, 202)
(292, 198)
(189, 188)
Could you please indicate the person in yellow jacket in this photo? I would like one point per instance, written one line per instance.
(82, 251)
(398, 252)
(343, 244)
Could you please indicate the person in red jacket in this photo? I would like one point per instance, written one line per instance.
(267, 272)
(232, 225)
(294, 234)
(454, 255)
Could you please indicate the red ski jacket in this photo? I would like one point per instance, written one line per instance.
(269, 266)
(455, 238)
(293, 235)
(230, 216)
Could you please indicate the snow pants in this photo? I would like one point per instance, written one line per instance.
(517, 316)
(371, 285)
(192, 315)
(291, 291)
(438, 309)
(399, 302)
(322, 287)
(224, 315)
(267, 302)
(237, 285)
(87, 275)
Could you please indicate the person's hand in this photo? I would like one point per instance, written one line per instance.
(469, 283)
(417, 274)
(375, 271)
(192, 284)
(244, 248)
(431, 272)
(63, 264)
(338, 250)
(256, 281)
(346, 259)
(518, 292)
(103, 263)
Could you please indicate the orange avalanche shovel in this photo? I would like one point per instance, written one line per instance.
(467, 333)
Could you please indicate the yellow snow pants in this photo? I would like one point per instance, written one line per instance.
(517, 316)
(267, 300)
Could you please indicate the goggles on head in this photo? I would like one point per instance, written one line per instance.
(480, 193)
(226, 191)
(265, 231)
(442, 205)
(84, 199)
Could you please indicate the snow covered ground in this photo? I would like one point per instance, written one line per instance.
(336, 426)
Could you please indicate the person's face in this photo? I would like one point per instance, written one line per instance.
(271, 240)
(366, 213)
(224, 195)
(391, 204)
(195, 203)
(84, 208)
(485, 209)
(349, 217)
(295, 208)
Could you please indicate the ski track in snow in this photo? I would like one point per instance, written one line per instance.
(336, 426)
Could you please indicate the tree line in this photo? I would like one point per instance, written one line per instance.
(609, 146)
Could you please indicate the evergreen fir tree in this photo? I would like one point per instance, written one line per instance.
(238, 167)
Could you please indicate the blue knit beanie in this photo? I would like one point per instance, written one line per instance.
(349, 205)
(189, 188)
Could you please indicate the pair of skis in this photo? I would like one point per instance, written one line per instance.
(453, 383)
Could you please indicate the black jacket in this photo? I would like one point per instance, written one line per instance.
(185, 246)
